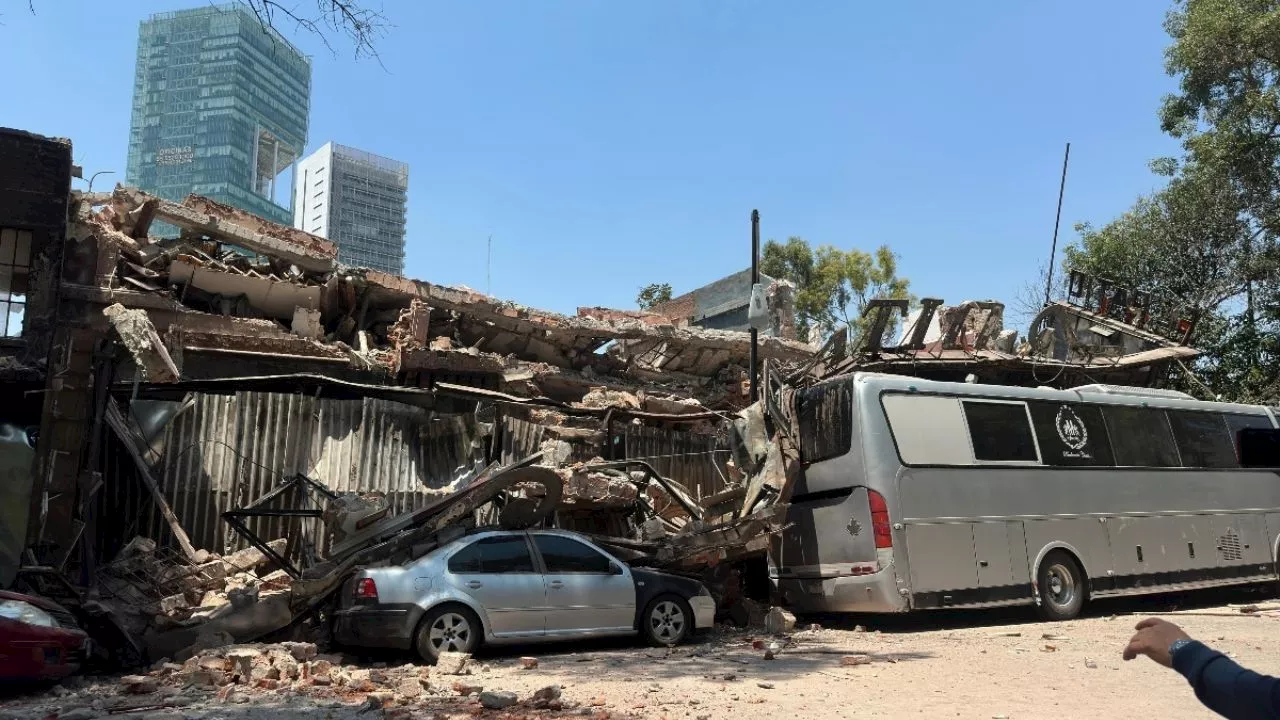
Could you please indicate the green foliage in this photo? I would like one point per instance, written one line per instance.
(1211, 238)
(1188, 243)
(833, 286)
(654, 294)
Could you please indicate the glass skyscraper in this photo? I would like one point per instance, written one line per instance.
(357, 200)
(220, 107)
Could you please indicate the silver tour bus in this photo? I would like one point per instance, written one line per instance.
(919, 494)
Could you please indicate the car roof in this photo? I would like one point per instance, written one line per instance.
(494, 530)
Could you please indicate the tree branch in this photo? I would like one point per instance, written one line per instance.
(363, 26)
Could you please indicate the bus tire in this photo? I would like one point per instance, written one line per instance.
(1061, 585)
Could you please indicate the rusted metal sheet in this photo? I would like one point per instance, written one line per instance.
(694, 460)
(520, 439)
(228, 450)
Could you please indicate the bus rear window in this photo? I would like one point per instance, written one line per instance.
(1000, 432)
(826, 421)
(1140, 437)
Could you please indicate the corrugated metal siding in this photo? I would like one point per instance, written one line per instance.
(520, 439)
(693, 460)
(228, 450)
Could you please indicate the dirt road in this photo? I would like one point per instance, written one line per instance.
(1001, 665)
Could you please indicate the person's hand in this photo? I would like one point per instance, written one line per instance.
(1153, 640)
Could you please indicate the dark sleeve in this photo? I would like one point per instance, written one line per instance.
(1226, 688)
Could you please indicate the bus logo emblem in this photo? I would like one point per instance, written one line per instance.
(1071, 429)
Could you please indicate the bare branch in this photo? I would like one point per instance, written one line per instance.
(363, 26)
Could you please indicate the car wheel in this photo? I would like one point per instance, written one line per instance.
(448, 628)
(667, 620)
(1062, 587)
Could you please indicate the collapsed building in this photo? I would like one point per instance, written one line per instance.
(211, 430)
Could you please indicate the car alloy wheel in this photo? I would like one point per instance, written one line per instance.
(451, 632)
(667, 622)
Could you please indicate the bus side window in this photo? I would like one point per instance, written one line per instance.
(1236, 423)
(1000, 431)
(1203, 439)
(1140, 437)
(1071, 434)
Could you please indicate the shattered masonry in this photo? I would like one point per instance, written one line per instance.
(182, 386)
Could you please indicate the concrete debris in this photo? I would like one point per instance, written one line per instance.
(602, 397)
(497, 700)
(179, 609)
(852, 660)
(546, 694)
(350, 516)
(136, 332)
(412, 328)
(138, 684)
(251, 558)
(453, 663)
(779, 622)
(307, 323)
(466, 689)
(529, 663)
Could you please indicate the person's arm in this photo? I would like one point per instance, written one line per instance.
(1225, 687)
(1220, 683)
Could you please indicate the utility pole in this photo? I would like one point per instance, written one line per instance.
(755, 279)
(1053, 253)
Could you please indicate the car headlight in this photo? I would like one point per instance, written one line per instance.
(25, 612)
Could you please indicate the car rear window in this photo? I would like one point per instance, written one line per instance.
(508, 554)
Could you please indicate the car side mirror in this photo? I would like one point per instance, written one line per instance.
(615, 568)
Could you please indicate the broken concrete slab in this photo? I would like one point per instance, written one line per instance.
(453, 663)
(307, 323)
(251, 558)
(411, 329)
(273, 298)
(237, 227)
(139, 336)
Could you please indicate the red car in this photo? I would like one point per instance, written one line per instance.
(39, 640)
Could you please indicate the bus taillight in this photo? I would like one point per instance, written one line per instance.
(880, 520)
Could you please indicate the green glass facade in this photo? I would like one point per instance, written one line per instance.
(220, 108)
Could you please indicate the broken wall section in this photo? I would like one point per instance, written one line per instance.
(227, 450)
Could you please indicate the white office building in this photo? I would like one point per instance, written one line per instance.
(357, 200)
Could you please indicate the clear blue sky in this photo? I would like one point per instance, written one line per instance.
(608, 144)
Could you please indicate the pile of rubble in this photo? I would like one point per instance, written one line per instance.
(159, 598)
(298, 672)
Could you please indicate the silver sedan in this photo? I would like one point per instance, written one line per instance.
(502, 586)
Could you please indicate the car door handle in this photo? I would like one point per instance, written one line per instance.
(475, 584)
(555, 584)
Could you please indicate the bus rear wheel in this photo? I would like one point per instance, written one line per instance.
(1061, 583)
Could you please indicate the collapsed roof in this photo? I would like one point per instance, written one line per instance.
(281, 291)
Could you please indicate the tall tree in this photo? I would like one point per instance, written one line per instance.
(833, 286)
(1211, 238)
(1226, 56)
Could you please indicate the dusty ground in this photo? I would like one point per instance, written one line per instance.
(970, 665)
